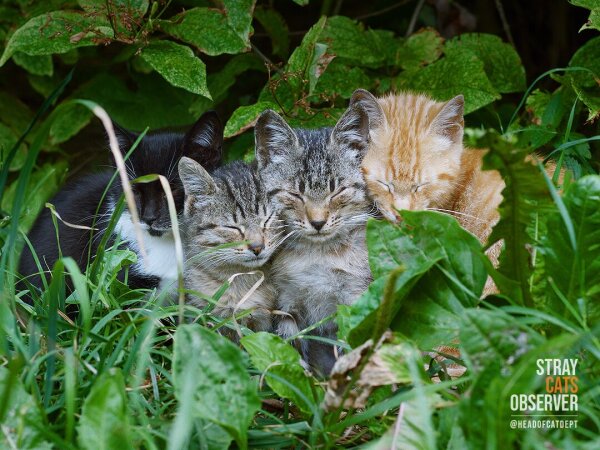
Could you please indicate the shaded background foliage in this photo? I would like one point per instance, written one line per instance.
(121, 376)
(162, 63)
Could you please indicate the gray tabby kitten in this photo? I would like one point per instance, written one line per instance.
(229, 207)
(314, 176)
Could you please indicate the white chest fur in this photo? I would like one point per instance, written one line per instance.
(160, 260)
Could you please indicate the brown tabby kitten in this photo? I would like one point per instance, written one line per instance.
(417, 161)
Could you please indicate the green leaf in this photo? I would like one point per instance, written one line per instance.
(575, 272)
(214, 380)
(43, 184)
(444, 272)
(524, 195)
(421, 48)
(348, 39)
(125, 15)
(104, 421)
(272, 355)
(22, 416)
(340, 80)
(8, 139)
(145, 105)
(245, 117)
(57, 32)
(460, 71)
(36, 64)
(206, 29)
(178, 65)
(501, 62)
(594, 7)
(239, 17)
(587, 83)
(220, 82)
(275, 26)
(68, 119)
(14, 113)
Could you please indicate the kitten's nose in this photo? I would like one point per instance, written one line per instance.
(317, 224)
(256, 247)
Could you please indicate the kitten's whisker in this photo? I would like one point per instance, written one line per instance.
(451, 212)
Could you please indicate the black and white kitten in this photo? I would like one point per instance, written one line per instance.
(157, 153)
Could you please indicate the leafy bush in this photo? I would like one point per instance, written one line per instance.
(124, 375)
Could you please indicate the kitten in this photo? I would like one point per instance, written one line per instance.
(417, 161)
(229, 207)
(157, 153)
(314, 177)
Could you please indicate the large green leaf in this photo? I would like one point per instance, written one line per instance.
(8, 138)
(346, 38)
(460, 71)
(210, 372)
(245, 117)
(340, 80)
(68, 119)
(594, 7)
(573, 268)
(104, 421)
(207, 29)
(239, 17)
(144, 106)
(22, 416)
(501, 62)
(57, 32)
(273, 356)
(421, 48)
(178, 65)
(524, 196)
(587, 83)
(35, 64)
(443, 272)
(125, 16)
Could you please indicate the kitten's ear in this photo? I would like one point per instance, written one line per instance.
(367, 101)
(204, 141)
(352, 130)
(196, 180)
(125, 137)
(274, 138)
(450, 120)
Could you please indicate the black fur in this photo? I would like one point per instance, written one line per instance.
(157, 153)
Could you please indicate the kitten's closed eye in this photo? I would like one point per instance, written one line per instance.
(295, 195)
(416, 187)
(389, 187)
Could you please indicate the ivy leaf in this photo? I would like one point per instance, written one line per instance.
(460, 71)
(272, 355)
(178, 65)
(57, 32)
(104, 422)
(245, 117)
(22, 415)
(35, 64)
(443, 272)
(421, 48)
(206, 29)
(215, 380)
(501, 62)
(574, 266)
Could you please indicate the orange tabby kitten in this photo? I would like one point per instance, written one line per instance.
(417, 161)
